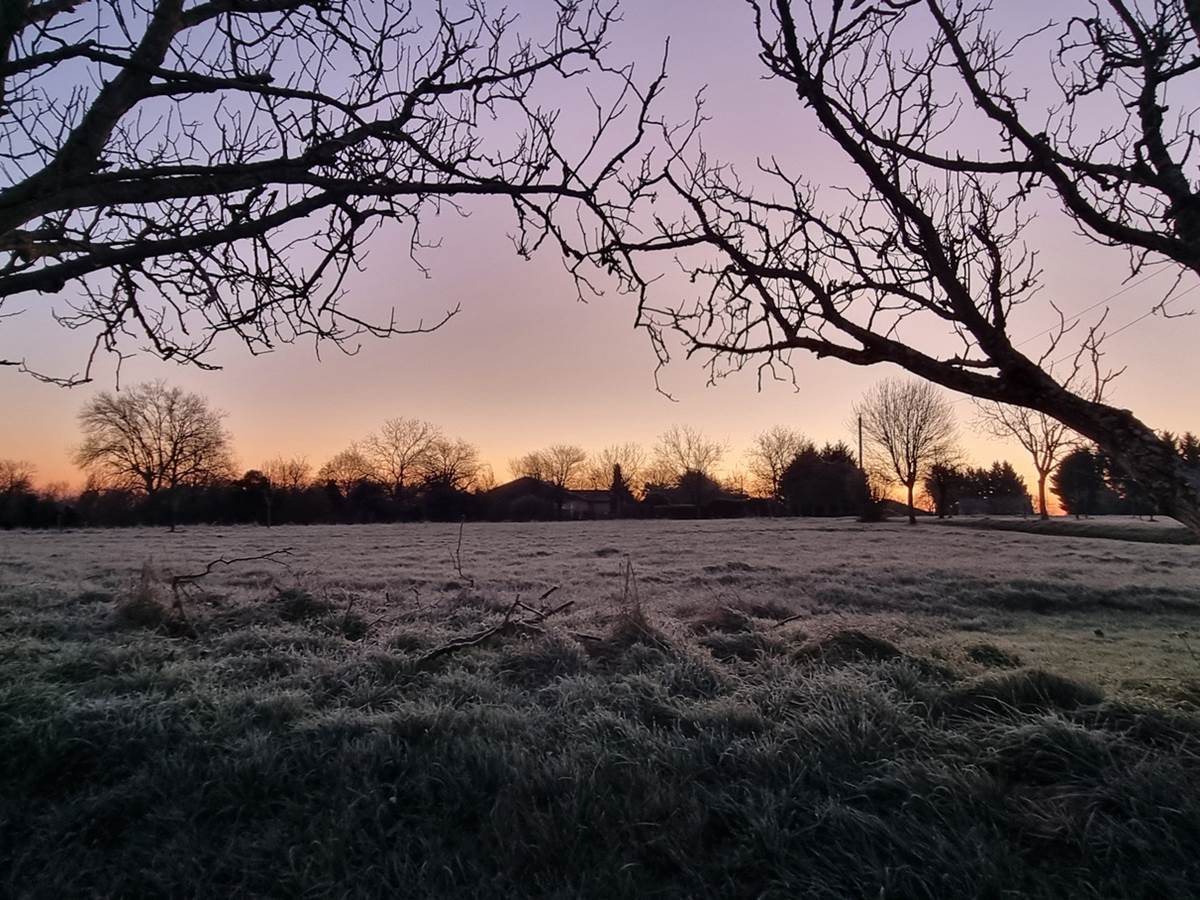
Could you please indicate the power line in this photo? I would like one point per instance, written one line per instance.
(1083, 312)
(1147, 314)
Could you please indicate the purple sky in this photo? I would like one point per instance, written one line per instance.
(525, 365)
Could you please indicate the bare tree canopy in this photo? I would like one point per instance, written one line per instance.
(1045, 439)
(682, 449)
(924, 262)
(453, 464)
(629, 456)
(528, 465)
(345, 469)
(288, 473)
(153, 438)
(16, 476)
(769, 456)
(562, 466)
(175, 170)
(910, 426)
(399, 450)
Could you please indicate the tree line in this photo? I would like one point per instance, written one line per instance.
(155, 454)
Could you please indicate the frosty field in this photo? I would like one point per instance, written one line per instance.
(929, 588)
(725, 708)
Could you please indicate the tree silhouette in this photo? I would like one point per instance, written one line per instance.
(345, 469)
(943, 484)
(910, 426)
(1189, 450)
(825, 482)
(629, 456)
(398, 452)
(155, 439)
(1044, 438)
(451, 464)
(193, 169)
(1079, 483)
(926, 266)
(769, 456)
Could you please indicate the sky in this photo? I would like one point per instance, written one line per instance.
(525, 364)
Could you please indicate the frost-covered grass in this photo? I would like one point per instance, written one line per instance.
(1158, 530)
(951, 713)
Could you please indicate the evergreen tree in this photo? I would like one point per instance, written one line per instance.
(1079, 484)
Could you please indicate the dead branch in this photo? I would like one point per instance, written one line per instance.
(789, 620)
(456, 557)
(508, 625)
(181, 583)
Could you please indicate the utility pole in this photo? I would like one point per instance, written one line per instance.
(860, 455)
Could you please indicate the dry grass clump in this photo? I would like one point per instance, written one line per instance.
(629, 631)
(537, 662)
(987, 654)
(1023, 690)
(849, 646)
(724, 619)
(295, 604)
(746, 646)
(145, 606)
(142, 606)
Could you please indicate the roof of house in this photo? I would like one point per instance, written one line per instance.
(590, 496)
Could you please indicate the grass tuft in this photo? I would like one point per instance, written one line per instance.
(849, 646)
(295, 604)
(992, 656)
(143, 606)
(1024, 690)
(744, 646)
(724, 619)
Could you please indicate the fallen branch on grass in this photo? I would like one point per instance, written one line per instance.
(508, 625)
(180, 583)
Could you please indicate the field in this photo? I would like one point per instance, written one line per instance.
(751, 708)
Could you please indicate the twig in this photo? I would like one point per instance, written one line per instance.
(783, 622)
(346, 615)
(629, 590)
(180, 583)
(507, 626)
(270, 555)
(456, 556)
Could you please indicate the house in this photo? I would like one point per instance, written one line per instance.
(587, 505)
(528, 498)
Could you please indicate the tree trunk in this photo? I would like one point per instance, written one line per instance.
(1042, 494)
(1150, 461)
(912, 515)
